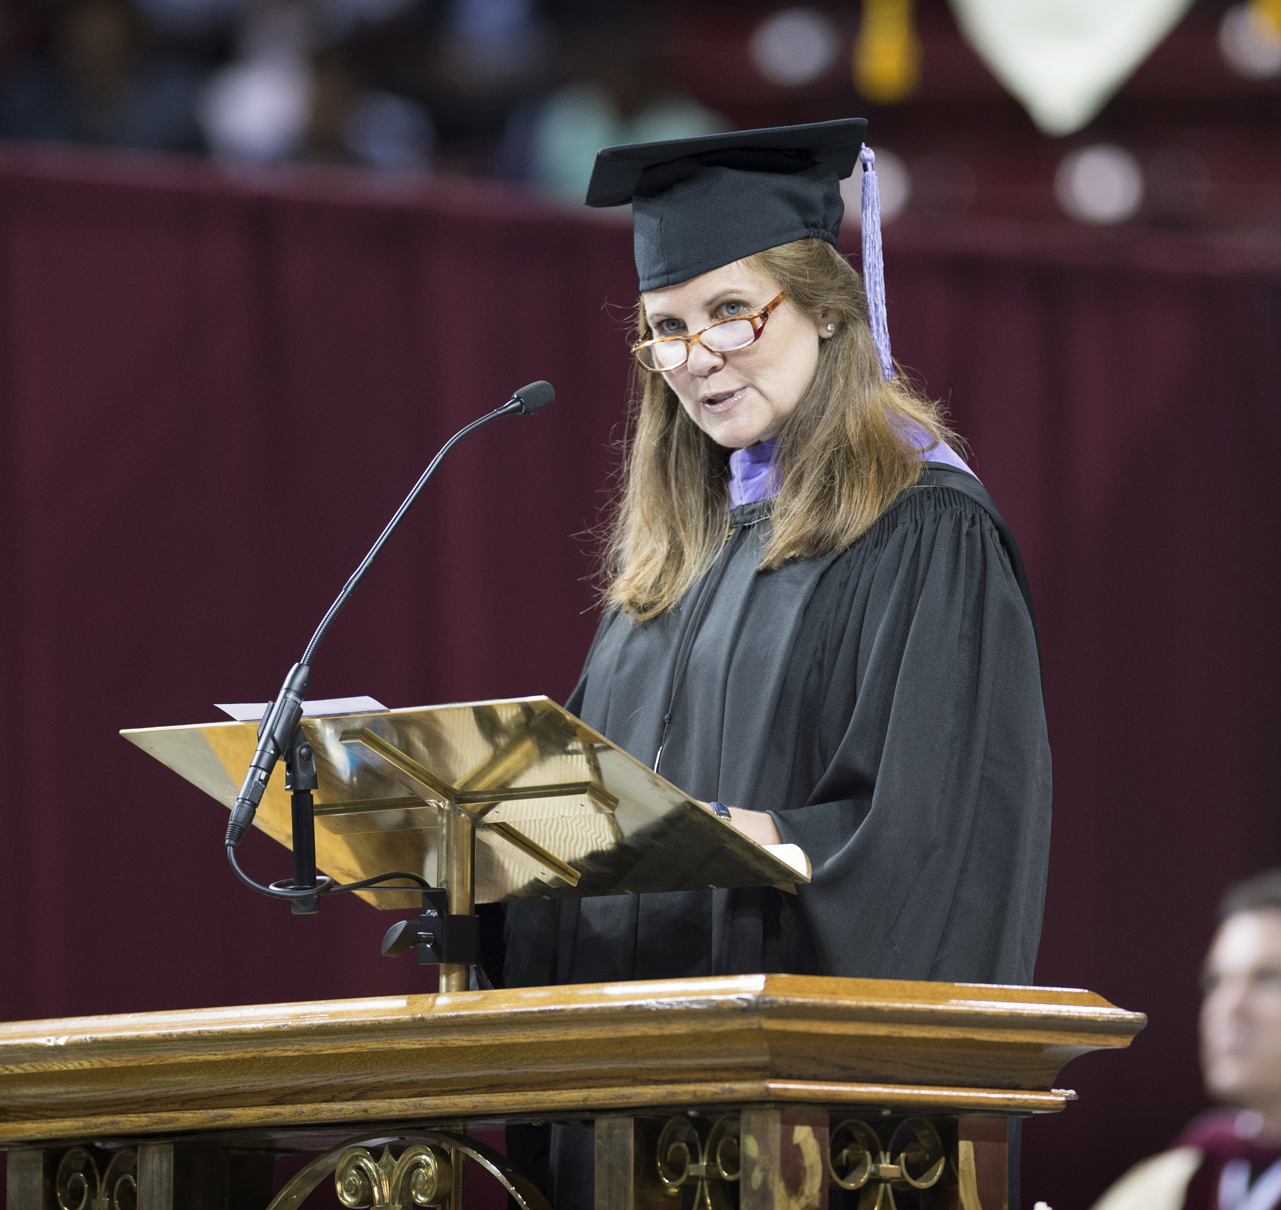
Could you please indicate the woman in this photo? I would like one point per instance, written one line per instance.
(814, 610)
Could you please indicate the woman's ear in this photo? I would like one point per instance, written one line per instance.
(827, 324)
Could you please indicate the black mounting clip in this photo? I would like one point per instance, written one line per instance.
(439, 936)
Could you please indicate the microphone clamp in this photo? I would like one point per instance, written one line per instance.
(274, 733)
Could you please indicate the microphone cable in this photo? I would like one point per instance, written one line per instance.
(284, 888)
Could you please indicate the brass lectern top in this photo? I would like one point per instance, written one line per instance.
(558, 810)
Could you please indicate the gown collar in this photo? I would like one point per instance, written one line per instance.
(754, 480)
(752, 474)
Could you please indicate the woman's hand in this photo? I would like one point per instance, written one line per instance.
(760, 827)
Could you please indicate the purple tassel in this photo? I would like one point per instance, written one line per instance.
(874, 262)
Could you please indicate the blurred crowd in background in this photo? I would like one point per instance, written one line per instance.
(1179, 126)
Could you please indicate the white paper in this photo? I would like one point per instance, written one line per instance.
(791, 855)
(252, 712)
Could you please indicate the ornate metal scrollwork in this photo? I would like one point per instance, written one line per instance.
(860, 1161)
(78, 1185)
(421, 1175)
(712, 1159)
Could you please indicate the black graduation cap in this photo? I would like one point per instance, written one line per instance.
(704, 202)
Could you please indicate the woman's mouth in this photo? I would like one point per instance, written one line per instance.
(722, 402)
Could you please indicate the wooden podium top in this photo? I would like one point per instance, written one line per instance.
(575, 1051)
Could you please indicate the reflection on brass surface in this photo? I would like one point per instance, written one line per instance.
(860, 1161)
(686, 1153)
(785, 1165)
(967, 1178)
(558, 810)
(510, 834)
(625, 1172)
(420, 1175)
(457, 875)
(78, 1185)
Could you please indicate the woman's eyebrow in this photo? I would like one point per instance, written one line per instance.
(709, 305)
(728, 292)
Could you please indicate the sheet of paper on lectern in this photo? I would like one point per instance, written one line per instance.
(252, 712)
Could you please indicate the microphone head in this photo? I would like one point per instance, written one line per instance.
(535, 397)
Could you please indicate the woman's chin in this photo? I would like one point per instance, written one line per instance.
(737, 433)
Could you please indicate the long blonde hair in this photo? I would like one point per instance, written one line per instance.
(844, 453)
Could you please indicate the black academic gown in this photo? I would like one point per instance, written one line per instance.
(884, 706)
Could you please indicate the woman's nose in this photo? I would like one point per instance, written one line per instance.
(703, 362)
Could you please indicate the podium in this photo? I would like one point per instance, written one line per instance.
(776, 1089)
(765, 1092)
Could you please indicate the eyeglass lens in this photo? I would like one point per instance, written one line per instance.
(719, 338)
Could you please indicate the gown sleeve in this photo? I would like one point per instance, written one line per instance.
(925, 744)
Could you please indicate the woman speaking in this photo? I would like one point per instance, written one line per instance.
(815, 619)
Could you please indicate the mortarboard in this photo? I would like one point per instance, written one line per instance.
(704, 202)
(701, 203)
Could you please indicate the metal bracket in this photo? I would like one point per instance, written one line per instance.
(439, 936)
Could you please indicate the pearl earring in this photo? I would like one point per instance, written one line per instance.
(831, 327)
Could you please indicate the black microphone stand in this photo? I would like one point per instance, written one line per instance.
(280, 733)
(301, 780)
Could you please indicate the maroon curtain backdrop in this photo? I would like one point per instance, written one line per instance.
(215, 388)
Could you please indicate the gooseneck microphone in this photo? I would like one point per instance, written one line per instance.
(281, 719)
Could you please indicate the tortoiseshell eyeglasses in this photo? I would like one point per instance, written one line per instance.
(724, 336)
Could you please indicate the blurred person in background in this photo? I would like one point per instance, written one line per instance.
(1229, 1158)
(297, 89)
(19, 33)
(482, 61)
(349, 122)
(257, 106)
(102, 83)
(614, 93)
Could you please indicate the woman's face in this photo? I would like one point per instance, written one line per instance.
(743, 397)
